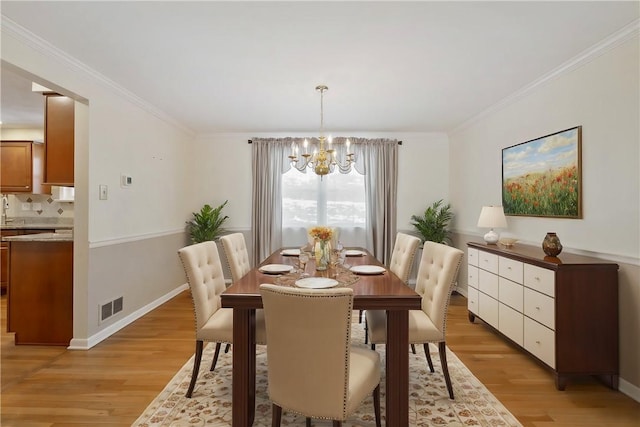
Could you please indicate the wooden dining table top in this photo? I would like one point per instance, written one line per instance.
(371, 291)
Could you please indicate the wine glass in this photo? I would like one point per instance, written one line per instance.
(303, 259)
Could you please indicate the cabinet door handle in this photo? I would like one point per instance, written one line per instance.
(538, 308)
(508, 268)
(537, 342)
(536, 278)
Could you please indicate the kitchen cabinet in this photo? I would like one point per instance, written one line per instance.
(4, 252)
(22, 168)
(40, 292)
(563, 311)
(4, 259)
(59, 140)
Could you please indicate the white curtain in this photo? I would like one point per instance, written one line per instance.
(269, 162)
(377, 159)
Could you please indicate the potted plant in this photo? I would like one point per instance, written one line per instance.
(433, 224)
(207, 224)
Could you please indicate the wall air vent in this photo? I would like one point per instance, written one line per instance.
(110, 308)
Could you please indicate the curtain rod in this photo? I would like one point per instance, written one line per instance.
(249, 141)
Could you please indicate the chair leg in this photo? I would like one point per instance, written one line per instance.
(276, 414)
(413, 348)
(337, 423)
(366, 332)
(376, 405)
(196, 368)
(428, 355)
(308, 422)
(360, 316)
(445, 369)
(373, 347)
(215, 357)
(227, 348)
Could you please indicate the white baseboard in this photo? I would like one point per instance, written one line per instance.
(86, 344)
(629, 389)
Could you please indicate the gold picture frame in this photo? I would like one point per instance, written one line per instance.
(543, 177)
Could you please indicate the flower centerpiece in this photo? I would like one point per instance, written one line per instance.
(322, 245)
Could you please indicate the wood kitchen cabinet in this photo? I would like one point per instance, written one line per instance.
(563, 311)
(40, 293)
(4, 259)
(22, 168)
(59, 140)
(4, 252)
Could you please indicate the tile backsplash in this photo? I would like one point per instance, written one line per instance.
(40, 206)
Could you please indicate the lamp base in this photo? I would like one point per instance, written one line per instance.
(491, 237)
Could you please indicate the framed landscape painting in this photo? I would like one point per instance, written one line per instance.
(542, 177)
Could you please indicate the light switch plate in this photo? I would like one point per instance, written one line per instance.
(125, 180)
(104, 192)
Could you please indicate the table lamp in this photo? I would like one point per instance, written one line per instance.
(492, 217)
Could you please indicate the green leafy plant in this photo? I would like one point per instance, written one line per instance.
(207, 224)
(433, 224)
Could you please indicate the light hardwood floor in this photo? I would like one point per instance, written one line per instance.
(112, 383)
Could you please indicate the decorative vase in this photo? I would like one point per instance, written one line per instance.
(323, 254)
(551, 245)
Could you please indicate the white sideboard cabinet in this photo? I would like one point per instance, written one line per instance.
(563, 311)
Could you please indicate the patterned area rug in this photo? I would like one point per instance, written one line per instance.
(429, 403)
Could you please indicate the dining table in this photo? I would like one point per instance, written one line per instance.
(382, 290)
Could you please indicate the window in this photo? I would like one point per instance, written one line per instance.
(336, 200)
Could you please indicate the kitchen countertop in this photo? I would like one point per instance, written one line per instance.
(41, 237)
(37, 223)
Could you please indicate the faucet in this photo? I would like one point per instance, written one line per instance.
(5, 207)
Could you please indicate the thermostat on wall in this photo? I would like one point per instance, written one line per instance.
(125, 180)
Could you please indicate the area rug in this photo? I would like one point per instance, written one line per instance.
(429, 403)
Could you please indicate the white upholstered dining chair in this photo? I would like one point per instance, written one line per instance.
(313, 370)
(203, 268)
(235, 250)
(404, 252)
(437, 276)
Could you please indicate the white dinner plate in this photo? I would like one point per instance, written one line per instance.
(368, 269)
(353, 252)
(316, 283)
(275, 268)
(290, 252)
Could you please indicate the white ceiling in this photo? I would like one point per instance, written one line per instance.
(253, 66)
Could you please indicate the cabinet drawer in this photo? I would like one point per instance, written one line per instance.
(539, 307)
(488, 309)
(472, 276)
(472, 256)
(510, 269)
(472, 301)
(540, 279)
(540, 341)
(487, 261)
(511, 324)
(488, 283)
(511, 293)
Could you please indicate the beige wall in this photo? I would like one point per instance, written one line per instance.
(119, 243)
(601, 95)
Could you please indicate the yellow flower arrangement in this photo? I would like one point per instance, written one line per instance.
(321, 233)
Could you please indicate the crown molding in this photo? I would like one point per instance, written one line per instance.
(16, 31)
(616, 39)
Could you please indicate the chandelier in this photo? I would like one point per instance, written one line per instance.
(323, 160)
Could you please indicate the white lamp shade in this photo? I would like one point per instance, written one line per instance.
(492, 217)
